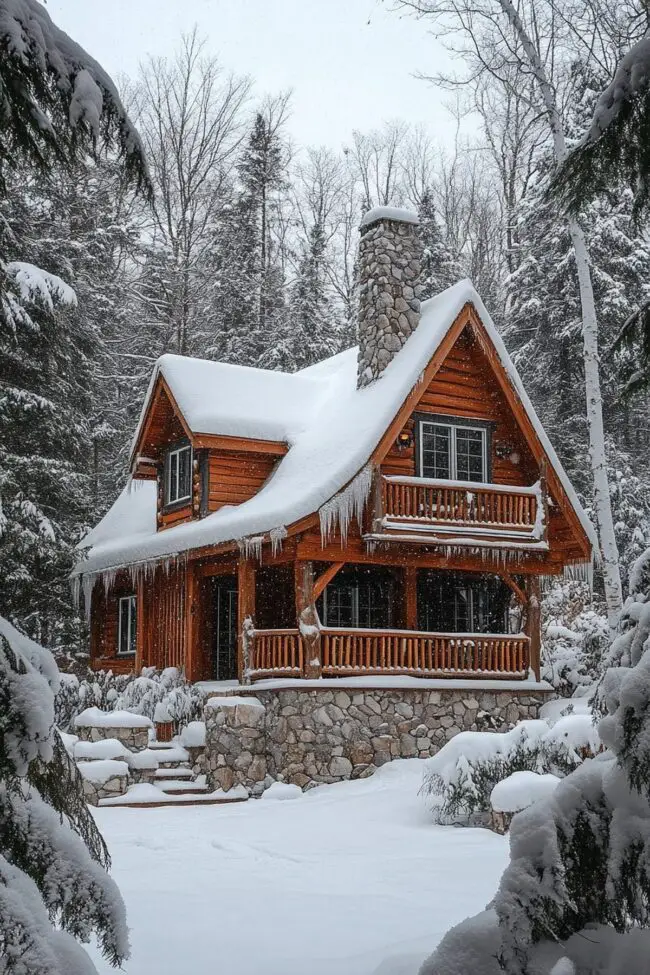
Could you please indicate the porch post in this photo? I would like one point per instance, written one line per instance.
(140, 650)
(192, 611)
(534, 622)
(308, 621)
(410, 597)
(245, 616)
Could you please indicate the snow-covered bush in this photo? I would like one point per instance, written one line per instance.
(160, 695)
(575, 636)
(463, 774)
(53, 882)
(578, 884)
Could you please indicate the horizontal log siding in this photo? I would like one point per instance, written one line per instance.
(104, 627)
(236, 477)
(465, 386)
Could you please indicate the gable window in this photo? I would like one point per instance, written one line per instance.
(178, 476)
(453, 450)
(126, 629)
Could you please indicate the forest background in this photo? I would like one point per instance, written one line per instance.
(246, 253)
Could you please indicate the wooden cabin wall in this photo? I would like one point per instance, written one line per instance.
(464, 386)
(104, 627)
(164, 624)
(235, 477)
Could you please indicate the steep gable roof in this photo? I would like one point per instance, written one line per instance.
(332, 428)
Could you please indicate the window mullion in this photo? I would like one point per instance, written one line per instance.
(453, 460)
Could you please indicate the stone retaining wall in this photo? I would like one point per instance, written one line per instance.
(309, 736)
(135, 739)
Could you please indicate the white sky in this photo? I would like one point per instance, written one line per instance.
(350, 63)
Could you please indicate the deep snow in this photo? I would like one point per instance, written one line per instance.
(351, 878)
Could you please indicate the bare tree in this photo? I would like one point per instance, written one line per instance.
(192, 119)
(513, 46)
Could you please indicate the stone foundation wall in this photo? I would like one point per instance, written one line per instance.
(310, 736)
(135, 739)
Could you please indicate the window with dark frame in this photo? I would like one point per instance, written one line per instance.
(178, 475)
(454, 451)
(127, 625)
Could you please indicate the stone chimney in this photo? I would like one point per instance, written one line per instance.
(389, 288)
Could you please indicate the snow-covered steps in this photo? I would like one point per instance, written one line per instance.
(177, 772)
(179, 786)
(169, 753)
(145, 795)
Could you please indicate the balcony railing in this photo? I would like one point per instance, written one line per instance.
(452, 507)
(359, 653)
(275, 653)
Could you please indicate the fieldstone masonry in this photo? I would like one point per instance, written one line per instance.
(313, 736)
(134, 738)
(389, 292)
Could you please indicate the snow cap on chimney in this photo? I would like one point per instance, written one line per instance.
(389, 289)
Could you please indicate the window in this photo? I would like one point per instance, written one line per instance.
(178, 485)
(453, 451)
(126, 630)
(450, 602)
(359, 598)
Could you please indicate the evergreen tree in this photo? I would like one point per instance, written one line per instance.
(53, 882)
(440, 268)
(578, 886)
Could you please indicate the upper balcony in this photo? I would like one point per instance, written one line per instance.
(418, 508)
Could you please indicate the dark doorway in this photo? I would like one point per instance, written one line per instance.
(224, 628)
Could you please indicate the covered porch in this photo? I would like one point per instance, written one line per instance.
(311, 620)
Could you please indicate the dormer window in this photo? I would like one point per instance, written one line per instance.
(178, 475)
(454, 449)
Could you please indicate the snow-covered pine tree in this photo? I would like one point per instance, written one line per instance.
(57, 102)
(255, 279)
(440, 267)
(54, 889)
(543, 318)
(578, 885)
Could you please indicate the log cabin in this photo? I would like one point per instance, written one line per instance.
(391, 510)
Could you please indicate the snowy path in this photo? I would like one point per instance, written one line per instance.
(334, 881)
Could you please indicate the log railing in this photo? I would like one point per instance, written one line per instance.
(350, 652)
(276, 653)
(419, 500)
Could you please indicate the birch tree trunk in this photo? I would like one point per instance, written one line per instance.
(602, 498)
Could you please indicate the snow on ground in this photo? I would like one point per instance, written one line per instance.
(350, 878)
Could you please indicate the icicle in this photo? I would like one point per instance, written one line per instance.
(349, 503)
(75, 588)
(277, 536)
(251, 546)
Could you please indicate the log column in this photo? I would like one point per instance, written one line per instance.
(308, 621)
(534, 622)
(193, 662)
(245, 617)
(410, 597)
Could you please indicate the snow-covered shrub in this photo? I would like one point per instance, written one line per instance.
(462, 776)
(53, 882)
(578, 884)
(575, 636)
(159, 695)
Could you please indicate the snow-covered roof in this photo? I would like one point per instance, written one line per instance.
(331, 428)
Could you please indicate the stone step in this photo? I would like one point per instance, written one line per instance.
(179, 786)
(177, 800)
(174, 772)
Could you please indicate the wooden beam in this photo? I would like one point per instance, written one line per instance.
(510, 582)
(245, 613)
(325, 578)
(308, 621)
(245, 445)
(411, 597)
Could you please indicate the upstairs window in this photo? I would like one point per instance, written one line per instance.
(453, 450)
(178, 475)
(126, 629)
